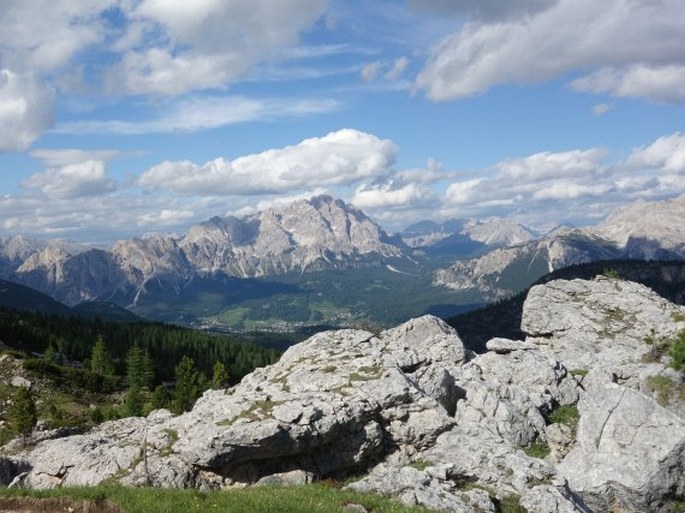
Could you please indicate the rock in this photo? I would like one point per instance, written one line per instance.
(504, 345)
(330, 406)
(412, 487)
(552, 499)
(292, 478)
(630, 452)
(20, 381)
(597, 323)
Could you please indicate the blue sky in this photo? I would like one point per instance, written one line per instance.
(121, 117)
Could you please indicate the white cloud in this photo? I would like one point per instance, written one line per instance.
(666, 154)
(572, 186)
(25, 110)
(658, 83)
(166, 217)
(339, 158)
(567, 189)
(42, 35)
(640, 41)
(87, 178)
(59, 157)
(370, 71)
(463, 192)
(551, 166)
(406, 196)
(397, 69)
(203, 113)
(175, 47)
(601, 108)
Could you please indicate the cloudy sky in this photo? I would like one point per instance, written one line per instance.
(120, 117)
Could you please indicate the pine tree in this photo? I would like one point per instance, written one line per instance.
(22, 412)
(134, 402)
(139, 372)
(100, 359)
(50, 355)
(219, 376)
(186, 390)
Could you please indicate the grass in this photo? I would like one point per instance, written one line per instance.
(306, 499)
(665, 389)
(565, 415)
(537, 449)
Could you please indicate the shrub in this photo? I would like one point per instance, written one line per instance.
(677, 352)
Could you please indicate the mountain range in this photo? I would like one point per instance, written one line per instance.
(322, 261)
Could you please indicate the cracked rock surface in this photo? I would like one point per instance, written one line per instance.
(420, 418)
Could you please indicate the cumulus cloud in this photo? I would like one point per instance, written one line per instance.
(338, 158)
(175, 47)
(636, 45)
(388, 195)
(666, 153)
(574, 185)
(42, 35)
(25, 109)
(87, 178)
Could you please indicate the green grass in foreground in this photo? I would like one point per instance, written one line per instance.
(300, 499)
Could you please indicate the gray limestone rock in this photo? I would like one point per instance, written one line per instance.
(630, 452)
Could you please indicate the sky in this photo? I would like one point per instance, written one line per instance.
(125, 117)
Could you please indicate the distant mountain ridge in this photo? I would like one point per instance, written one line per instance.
(324, 261)
(307, 234)
(643, 230)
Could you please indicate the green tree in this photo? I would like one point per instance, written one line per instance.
(161, 398)
(50, 355)
(100, 359)
(139, 371)
(22, 413)
(219, 376)
(677, 352)
(186, 389)
(134, 402)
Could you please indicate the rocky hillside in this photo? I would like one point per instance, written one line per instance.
(584, 415)
(642, 230)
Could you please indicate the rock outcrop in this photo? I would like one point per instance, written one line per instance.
(419, 417)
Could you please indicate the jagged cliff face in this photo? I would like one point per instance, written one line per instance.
(642, 231)
(318, 233)
(411, 413)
